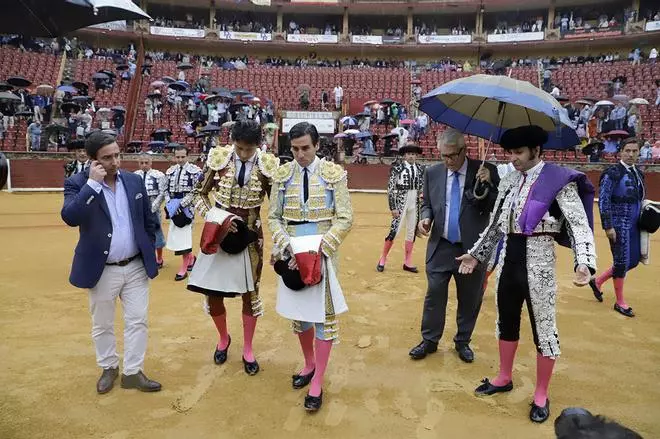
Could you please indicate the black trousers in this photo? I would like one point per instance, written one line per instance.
(513, 290)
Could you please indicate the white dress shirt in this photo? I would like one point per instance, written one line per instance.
(310, 170)
(462, 172)
(249, 164)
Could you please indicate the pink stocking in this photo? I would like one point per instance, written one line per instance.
(307, 344)
(544, 366)
(409, 250)
(183, 269)
(604, 277)
(618, 290)
(386, 250)
(507, 354)
(322, 350)
(249, 325)
(221, 324)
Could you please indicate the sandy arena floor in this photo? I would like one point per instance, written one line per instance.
(609, 363)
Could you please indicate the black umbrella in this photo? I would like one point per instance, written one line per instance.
(82, 99)
(57, 129)
(389, 101)
(562, 99)
(134, 145)
(8, 96)
(593, 147)
(389, 136)
(51, 18)
(218, 90)
(157, 145)
(110, 73)
(119, 108)
(211, 128)
(240, 92)
(147, 65)
(186, 95)
(168, 79)
(178, 86)
(233, 107)
(184, 66)
(194, 124)
(622, 79)
(70, 107)
(5, 87)
(161, 131)
(100, 76)
(80, 85)
(18, 81)
(154, 95)
(25, 114)
(226, 95)
(122, 67)
(75, 144)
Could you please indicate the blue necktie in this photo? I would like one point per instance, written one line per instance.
(454, 210)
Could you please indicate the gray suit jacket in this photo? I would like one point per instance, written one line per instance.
(474, 214)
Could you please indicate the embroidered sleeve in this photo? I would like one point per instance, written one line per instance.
(605, 200)
(275, 222)
(391, 187)
(342, 222)
(492, 234)
(163, 192)
(577, 224)
(198, 198)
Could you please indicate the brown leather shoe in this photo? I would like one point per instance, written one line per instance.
(139, 381)
(107, 380)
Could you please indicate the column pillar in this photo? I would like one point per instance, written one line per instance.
(479, 24)
(280, 19)
(635, 7)
(551, 16)
(345, 25)
(212, 15)
(410, 29)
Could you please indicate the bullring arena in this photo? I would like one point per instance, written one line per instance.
(280, 52)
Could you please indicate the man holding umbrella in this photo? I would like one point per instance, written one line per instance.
(538, 204)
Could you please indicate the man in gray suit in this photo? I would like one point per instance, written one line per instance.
(454, 217)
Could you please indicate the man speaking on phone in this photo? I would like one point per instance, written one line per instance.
(114, 258)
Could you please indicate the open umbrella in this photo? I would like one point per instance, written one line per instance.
(119, 108)
(248, 97)
(45, 89)
(592, 147)
(5, 87)
(186, 95)
(236, 106)
(363, 114)
(70, 107)
(340, 136)
(103, 110)
(67, 89)
(179, 85)
(351, 132)
(156, 146)
(18, 81)
(622, 98)
(121, 67)
(348, 120)
(486, 106)
(51, 18)
(416, 81)
(210, 128)
(604, 103)
(370, 103)
(167, 79)
(562, 99)
(218, 90)
(56, 129)
(157, 84)
(212, 98)
(225, 95)
(82, 99)
(161, 131)
(100, 76)
(583, 102)
(590, 99)
(154, 95)
(363, 135)
(110, 73)
(184, 66)
(240, 92)
(228, 124)
(26, 114)
(80, 85)
(8, 96)
(620, 134)
(389, 101)
(638, 101)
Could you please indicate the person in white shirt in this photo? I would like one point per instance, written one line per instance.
(555, 91)
(149, 109)
(339, 96)
(182, 75)
(653, 54)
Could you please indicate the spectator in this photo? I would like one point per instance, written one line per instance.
(653, 54)
(637, 55)
(324, 100)
(422, 123)
(34, 132)
(182, 75)
(646, 152)
(632, 124)
(618, 115)
(118, 121)
(655, 152)
(555, 91)
(149, 109)
(657, 93)
(547, 75)
(339, 96)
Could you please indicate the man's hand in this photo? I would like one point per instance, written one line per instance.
(468, 263)
(424, 227)
(395, 213)
(484, 174)
(611, 235)
(233, 228)
(97, 172)
(582, 275)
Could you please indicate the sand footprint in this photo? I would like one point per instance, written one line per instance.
(190, 397)
(294, 419)
(371, 401)
(523, 389)
(336, 412)
(339, 379)
(434, 411)
(402, 403)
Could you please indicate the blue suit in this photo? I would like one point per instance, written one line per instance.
(87, 210)
(620, 201)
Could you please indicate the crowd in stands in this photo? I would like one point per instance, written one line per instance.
(188, 23)
(244, 24)
(298, 28)
(533, 24)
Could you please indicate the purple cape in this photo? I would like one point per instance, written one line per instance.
(543, 193)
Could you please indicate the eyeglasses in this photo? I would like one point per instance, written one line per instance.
(452, 156)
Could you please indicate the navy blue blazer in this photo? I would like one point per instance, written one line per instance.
(87, 210)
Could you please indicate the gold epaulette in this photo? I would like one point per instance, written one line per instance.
(331, 172)
(268, 164)
(283, 173)
(219, 157)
